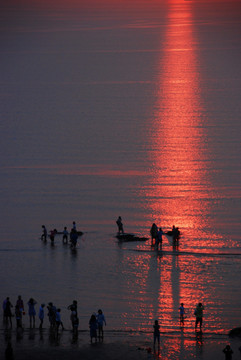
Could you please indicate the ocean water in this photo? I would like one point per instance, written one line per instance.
(132, 109)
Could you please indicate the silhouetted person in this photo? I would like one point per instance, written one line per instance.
(100, 321)
(159, 238)
(182, 312)
(31, 311)
(156, 333)
(18, 315)
(153, 232)
(58, 320)
(52, 235)
(228, 352)
(19, 303)
(199, 315)
(65, 235)
(74, 226)
(93, 328)
(41, 315)
(51, 314)
(73, 238)
(73, 306)
(120, 225)
(44, 235)
(7, 311)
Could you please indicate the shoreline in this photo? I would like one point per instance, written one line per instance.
(37, 344)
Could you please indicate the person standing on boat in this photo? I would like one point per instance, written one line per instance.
(120, 225)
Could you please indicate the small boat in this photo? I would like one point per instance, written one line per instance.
(61, 233)
(130, 237)
(175, 233)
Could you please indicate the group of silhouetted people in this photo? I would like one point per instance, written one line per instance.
(71, 237)
(96, 322)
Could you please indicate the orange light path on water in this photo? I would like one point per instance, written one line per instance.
(178, 139)
(179, 183)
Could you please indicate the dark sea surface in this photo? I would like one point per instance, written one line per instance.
(132, 109)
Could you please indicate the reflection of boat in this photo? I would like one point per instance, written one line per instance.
(130, 237)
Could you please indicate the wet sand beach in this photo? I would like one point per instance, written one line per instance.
(33, 344)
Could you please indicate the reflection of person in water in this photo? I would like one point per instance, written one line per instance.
(120, 225)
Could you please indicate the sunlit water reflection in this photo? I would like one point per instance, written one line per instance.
(130, 126)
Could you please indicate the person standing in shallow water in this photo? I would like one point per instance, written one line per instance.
(41, 315)
(93, 328)
(65, 235)
(8, 312)
(153, 232)
(182, 312)
(228, 352)
(199, 315)
(156, 334)
(44, 235)
(20, 304)
(31, 311)
(120, 225)
(101, 321)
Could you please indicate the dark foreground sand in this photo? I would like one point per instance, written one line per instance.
(33, 345)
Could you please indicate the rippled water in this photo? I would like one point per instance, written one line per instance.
(132, 110)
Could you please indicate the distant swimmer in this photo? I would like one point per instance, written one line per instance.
(65, 235)
(44, 234)
(120, 225)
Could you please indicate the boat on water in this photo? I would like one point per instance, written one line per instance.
(79, 233)
(130, 237)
